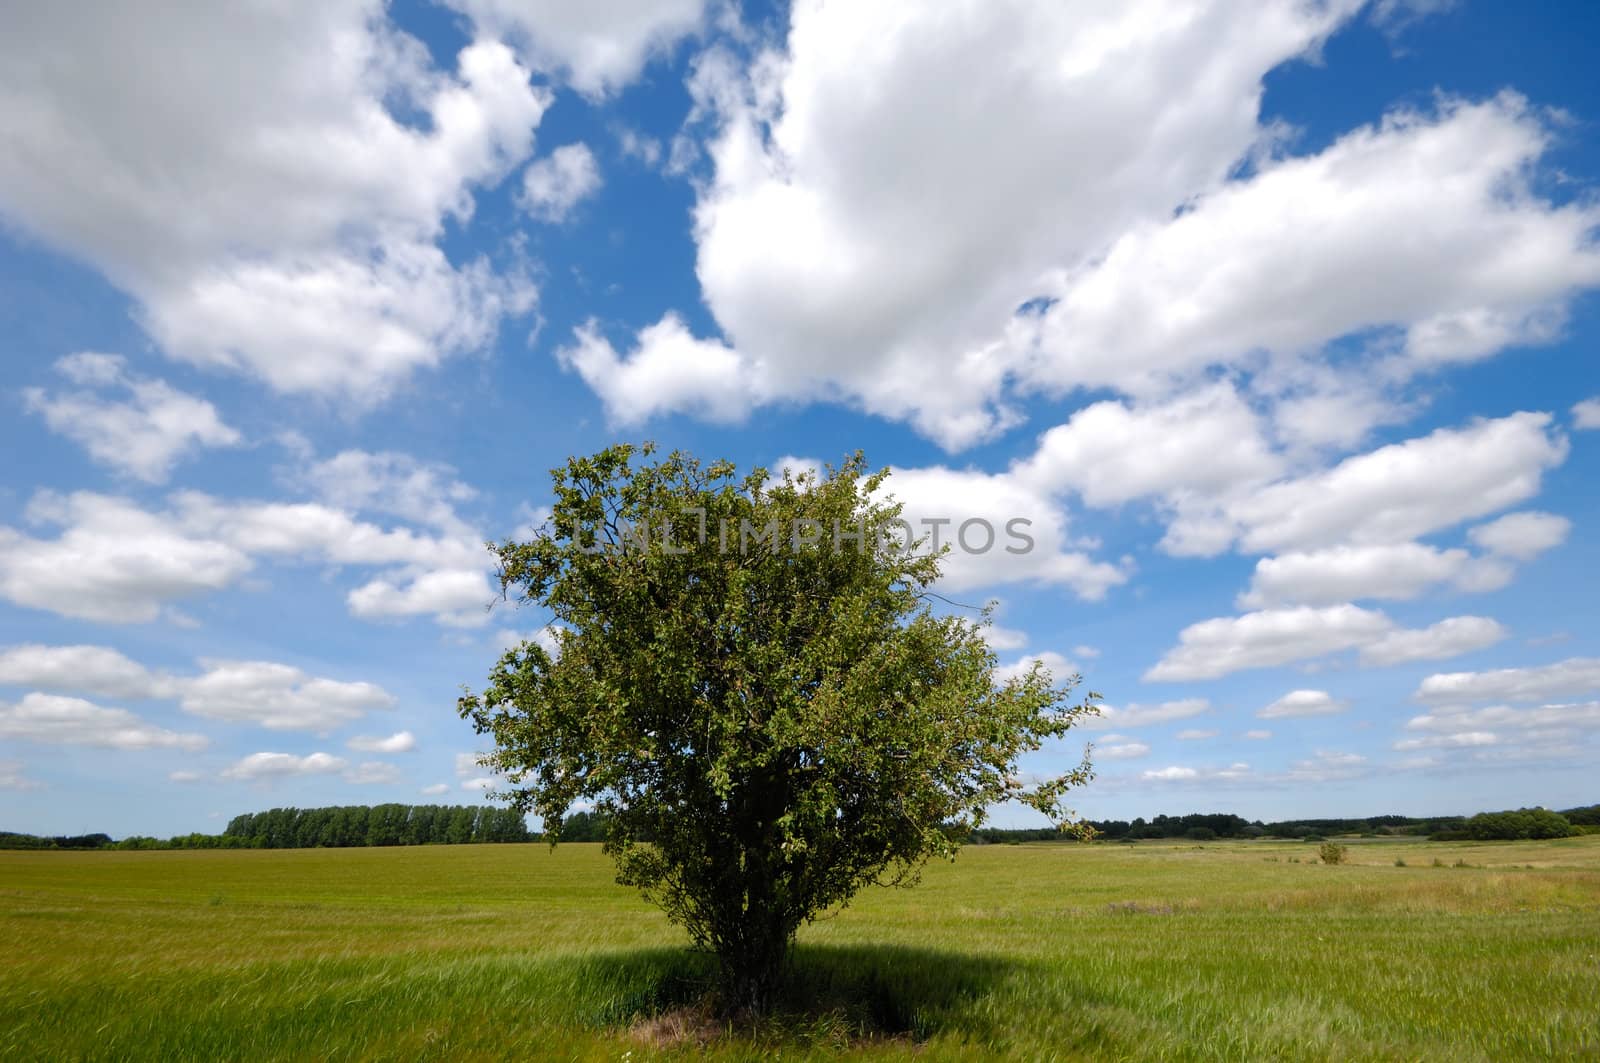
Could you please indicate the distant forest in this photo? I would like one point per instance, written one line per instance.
(345, 826)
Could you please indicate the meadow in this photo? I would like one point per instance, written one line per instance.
(1243, 950)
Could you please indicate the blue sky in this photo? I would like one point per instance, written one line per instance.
(1276, 320)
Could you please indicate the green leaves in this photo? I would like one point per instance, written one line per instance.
(761, 704)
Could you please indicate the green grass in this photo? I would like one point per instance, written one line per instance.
(1149, 951)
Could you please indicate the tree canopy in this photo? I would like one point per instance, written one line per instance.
(748, 682)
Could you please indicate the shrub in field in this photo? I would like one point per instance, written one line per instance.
(748, 683)
(1333, 853)
(1524, 823)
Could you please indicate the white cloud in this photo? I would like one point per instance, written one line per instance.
(436, 789)
(1059, 667)
(282, 765)
(1427, 224)
(116, 562)
(13, 776)
(1088, 653)
(1170, 774)
(143, 435)
(1195, 734)
(55, 720)
(1038, 551)
(1347, 573)
(1447, 638)
(668, 371)
(1111, 452)
(184, 776)
(851, 248)
(1136, 715)
(1270, 637)
(1544, 720)
(851, 244)
(1008, 638)
(393, 484)
(1258, 736)
(1386, 496)
(1121, 751)
(268, 208)
(456, 598)
(482, 782)
(1303, 703)
(1586, 414)
(1217, 647)
(79, 669)
(399, 742)
(278, 696)
(555, 184)
(112, 562)
(1574, 676)
(1325, 766)
(1449, 741)
(1522, 536)
(598, 48)
(373, 773)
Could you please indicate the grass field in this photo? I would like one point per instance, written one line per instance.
(1149, 951)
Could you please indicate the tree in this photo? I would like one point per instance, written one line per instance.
(750, 686)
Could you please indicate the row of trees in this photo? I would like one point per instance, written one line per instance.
(341, 826)
(1485, 826)
(393, 824)
(359, 825)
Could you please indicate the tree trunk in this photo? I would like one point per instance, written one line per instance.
(751, 975)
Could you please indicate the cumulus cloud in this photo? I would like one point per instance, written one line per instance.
(1390, 495)
(14, 776)
(1586, 414)
(1257, 735)
(1059, 667)
(596, 48)
(80, 669)
(268, 766)
(278, 696)
(849, 245)
(1447, 638)
(1137, 715)
(1270, 637)
(1425, 224)
(52, 719)
(1195, 734)
(1522, 536)
(1568, 678)
(554, 185)
(668, 370)
(1303, 703)
(143, 434)
(399, 742)
(114, 561)
(436, 789)
(268, 208)
(1125, 750)
(1112, 452)
(373, 773)
(1383, 570)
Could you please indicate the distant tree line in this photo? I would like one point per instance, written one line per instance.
(1485, 826)
(342, 826)
(361, 825)
(356, 825)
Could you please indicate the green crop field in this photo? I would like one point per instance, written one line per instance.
(1150, 951)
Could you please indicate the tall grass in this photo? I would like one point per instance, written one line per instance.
(1030, 952)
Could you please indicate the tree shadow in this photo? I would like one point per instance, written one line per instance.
(833, 993)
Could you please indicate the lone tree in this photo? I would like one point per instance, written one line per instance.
(747, 681)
